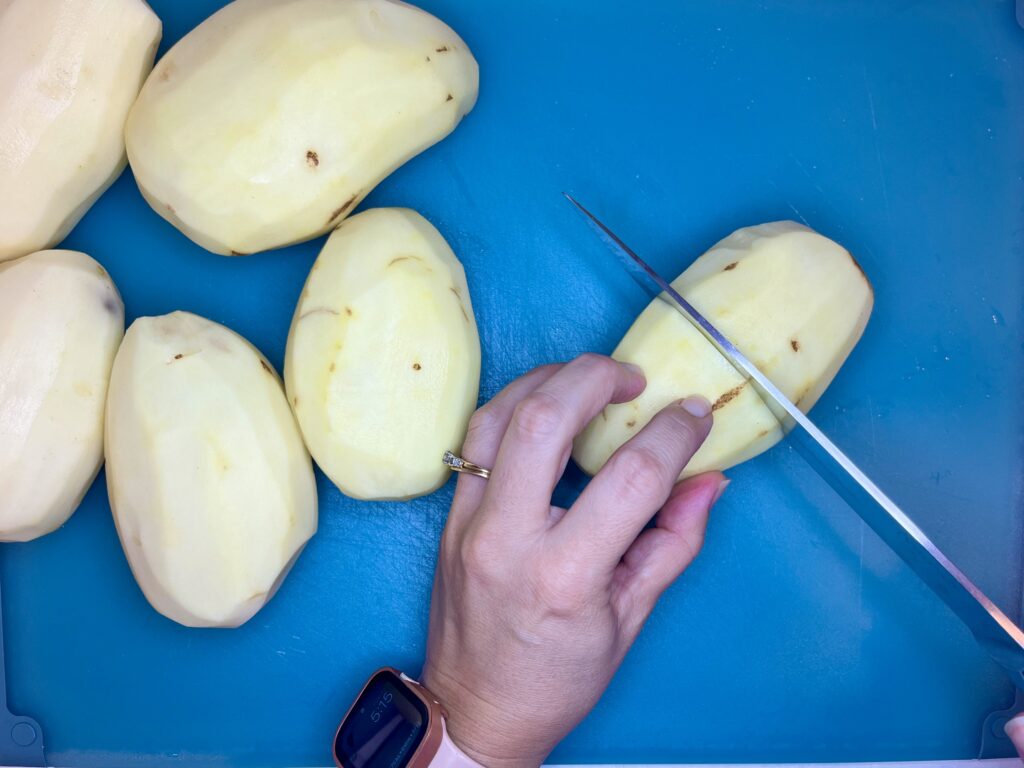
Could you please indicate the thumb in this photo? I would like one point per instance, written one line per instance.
(1015, 730)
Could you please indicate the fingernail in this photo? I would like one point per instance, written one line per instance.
(695, 405)
(635, 369)
(721, 489)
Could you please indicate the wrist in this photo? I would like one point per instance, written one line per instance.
(477, 727)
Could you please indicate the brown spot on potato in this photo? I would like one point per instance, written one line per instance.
(728, 267)
(398, 259)
(416, 366)
(762, 433)
(450, 97)
(428, 58)
(178, 356)
(795, 345)
(631, 423)
(464, 315)
(238, 253)
(442, 49)
(312, 159)
(110, 305)
(342, 208)
(348, 311)
(101, 271)
(727, 397)
(266, 367)
(170, 210)
(295, 401)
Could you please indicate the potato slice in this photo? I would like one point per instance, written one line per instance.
(382, 365)
(61, 319)
(69, 72)
(270, 121)
(792, 300)
(211, 487)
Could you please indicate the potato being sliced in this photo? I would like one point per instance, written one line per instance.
(211, 487)
(270, 121)
(792, 300)
(61, 319)
(382, 366)
(69, 72)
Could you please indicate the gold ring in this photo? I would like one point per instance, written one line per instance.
(459, 464)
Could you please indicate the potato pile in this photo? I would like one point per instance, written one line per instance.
(267, 125)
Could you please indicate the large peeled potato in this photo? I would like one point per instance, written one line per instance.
(61, 320)
(382, 366)
(271, 120)
(793, 301)
(69, 72)
(211, 488)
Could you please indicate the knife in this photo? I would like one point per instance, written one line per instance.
(994, 631)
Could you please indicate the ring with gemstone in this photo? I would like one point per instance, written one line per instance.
(459, 464)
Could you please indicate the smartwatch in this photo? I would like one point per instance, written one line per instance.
(396, 723)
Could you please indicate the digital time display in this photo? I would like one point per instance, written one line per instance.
(384, 727)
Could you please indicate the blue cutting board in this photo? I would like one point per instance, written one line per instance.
(895, 128)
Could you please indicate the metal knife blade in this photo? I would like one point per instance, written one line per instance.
(994, 631)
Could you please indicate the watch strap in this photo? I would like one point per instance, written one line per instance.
(448, 755)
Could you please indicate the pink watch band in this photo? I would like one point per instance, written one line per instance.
(450, 756)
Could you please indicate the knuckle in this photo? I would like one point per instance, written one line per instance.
(641, 472)
(479, 555)
(482, 425)
(538, 416)
(561, 588)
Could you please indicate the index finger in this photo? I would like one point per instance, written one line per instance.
(538, 441)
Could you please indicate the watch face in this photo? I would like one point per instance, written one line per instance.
(384, 728)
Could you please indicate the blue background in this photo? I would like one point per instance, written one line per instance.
(895, 128)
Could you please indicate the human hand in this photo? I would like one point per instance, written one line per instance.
(1015, 730)
(534, 606)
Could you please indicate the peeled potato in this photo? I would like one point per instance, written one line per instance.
(270, 121)
(69, 72)
(211, 487)
(61, 319)
(793, 301)
(382, 365)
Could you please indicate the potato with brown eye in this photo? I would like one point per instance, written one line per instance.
(61, 320)
(269, 122)
(793, 301)
(211, 487)
(382, 365)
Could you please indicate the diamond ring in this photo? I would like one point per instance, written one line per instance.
(459, 464)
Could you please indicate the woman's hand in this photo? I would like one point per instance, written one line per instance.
(534, 606)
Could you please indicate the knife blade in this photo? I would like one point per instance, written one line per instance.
(994, 631)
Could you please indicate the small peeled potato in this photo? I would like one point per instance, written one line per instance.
(211, 487)
(270, 121)
(69, 72)
(61, 319)
(793, 301)
(382, 365)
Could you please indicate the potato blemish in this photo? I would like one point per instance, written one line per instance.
(416, 366)
(341, 209)
(728, 397)
(795, 345)
(312, 159)
(729, 267)
(266, 367)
